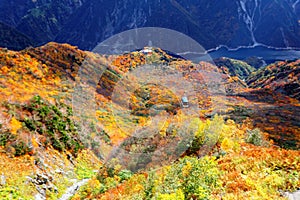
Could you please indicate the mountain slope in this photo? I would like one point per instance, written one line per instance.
(121, 16)
(40, 145)
(40, 139)
(235, 67)
(38, 20)
(13, 39)
(211, 23)
(281, 77)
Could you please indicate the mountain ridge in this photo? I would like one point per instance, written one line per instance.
(41, 141)
(211, 23)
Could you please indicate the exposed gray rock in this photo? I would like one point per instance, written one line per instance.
(73, 189)
(2, 180)
(38, 196)
(293, 196)
(41, 193)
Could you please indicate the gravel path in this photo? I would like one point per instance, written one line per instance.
(73, 189)
(293, 196)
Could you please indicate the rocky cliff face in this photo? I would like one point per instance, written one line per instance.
(212, 23)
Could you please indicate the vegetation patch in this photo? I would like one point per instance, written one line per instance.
(52, 124)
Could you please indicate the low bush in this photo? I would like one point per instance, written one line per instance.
(38, 116)
(254, 137)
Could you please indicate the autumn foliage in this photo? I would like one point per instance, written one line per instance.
(242, 143)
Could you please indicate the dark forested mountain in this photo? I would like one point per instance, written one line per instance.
(210, 22)
(39, 20)
(13, 39)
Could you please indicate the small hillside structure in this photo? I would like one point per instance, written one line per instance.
(184, 102)
(147, 51)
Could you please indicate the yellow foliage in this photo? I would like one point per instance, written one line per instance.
(4, 70)
(186, 169)
(163, 129)
(15, 125)
(138, 187)
(274, 180)
(34, 143)
(227, 144)
(179, 195)
(94, 184)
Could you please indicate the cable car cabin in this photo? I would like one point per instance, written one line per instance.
(184, 102)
